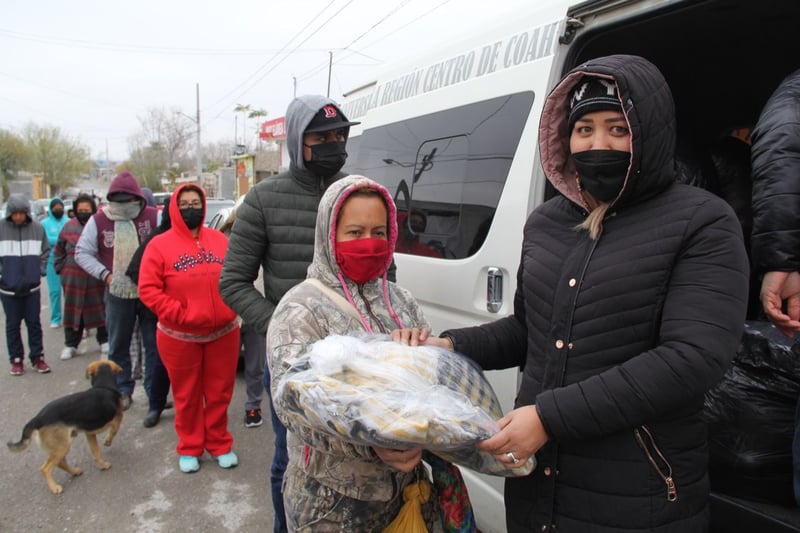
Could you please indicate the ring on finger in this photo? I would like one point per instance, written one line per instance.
(512, 457)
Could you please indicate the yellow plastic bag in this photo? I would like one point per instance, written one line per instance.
(409, 519)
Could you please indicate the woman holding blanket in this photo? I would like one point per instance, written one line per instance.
(331, 485)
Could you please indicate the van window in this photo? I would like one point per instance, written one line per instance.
(446, 171)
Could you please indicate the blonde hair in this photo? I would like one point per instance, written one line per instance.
(594, 222)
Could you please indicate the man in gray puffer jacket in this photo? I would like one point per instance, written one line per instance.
(274, 229)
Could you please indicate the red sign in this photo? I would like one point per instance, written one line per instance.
(273, 129)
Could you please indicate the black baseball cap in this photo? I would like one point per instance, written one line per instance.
(328, 118)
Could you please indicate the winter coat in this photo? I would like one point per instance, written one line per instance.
(775, 155)
(179, 279)
(275, 227)
(619, 337)
(24, 250)
(83, 294)
(307, 314)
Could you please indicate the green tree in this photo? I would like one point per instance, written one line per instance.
(60, 159)
(257, 113)
(14, 156)
(244, 109)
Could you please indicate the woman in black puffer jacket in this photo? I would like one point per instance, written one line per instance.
(631, 298)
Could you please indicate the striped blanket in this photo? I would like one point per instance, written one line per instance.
(376, 392)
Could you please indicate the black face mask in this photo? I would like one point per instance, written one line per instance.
(83, 218)
(602, 172)
(58, 213)
(326, 159)
(192, 216)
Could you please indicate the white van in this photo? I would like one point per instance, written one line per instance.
(453, 135)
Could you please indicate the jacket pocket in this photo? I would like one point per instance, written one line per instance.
(657, 460)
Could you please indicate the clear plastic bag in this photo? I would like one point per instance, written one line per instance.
(372, 391)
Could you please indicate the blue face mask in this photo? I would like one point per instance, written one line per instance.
(602, 172)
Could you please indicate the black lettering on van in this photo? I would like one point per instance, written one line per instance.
(488, 61)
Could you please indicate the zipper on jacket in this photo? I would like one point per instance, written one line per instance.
(672, 490)
(369, 310)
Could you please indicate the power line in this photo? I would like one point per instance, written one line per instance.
(266, 64)
(320, 67)
(137, 48)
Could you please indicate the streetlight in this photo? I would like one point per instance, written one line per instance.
(196, 121)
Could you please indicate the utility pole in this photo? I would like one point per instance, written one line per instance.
(330, 66)
(294, 84)
(199, 150)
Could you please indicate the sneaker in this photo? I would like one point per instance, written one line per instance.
(227, 460)
(126, 402)
(104, 348)
(82, 348)
(17, 368)
(40, 366)
(55, 325)
(67, 353)
(188, 464)
(252, 418)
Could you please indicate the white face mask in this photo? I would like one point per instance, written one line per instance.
(125, 210)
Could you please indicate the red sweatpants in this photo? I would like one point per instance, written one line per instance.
(202, 377)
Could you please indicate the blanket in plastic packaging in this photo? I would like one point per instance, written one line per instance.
(376, 392)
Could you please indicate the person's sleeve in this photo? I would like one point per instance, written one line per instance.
(152, 289)
(60, 253)
(700, 328)
(246, 248)
(86, 252)
(45, 255)
(291, 332)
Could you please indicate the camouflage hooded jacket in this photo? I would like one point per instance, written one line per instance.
(307, 314)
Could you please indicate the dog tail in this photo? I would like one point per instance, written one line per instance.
(23, 442)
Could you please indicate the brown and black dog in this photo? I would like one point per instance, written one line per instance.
(91, 412)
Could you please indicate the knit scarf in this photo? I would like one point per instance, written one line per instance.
(126, 241)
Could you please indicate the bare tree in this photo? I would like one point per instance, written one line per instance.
(160, 147)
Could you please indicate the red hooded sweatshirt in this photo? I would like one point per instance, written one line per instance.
(179, 278)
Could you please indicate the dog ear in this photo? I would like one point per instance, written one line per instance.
(114, 366)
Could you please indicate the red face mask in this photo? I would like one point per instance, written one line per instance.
(362, 260)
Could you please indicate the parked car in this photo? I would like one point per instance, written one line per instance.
(215, 205)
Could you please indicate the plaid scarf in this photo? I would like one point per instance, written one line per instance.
(126, 241)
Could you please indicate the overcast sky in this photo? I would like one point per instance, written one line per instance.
(91, 67)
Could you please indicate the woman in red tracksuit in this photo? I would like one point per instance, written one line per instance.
(198, 335)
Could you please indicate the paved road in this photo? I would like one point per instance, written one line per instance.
(143, 491)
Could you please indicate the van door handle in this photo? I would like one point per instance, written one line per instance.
(494, 289)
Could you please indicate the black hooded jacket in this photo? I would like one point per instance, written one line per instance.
(775, 155)
(619, 337)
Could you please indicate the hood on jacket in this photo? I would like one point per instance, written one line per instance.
(324, 266)
(54, 201)
(298, 115)
(175, 219)
(649, 111)
(18, 203)
(125, 182)
(149, 198)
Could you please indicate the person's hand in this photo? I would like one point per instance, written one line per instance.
(108, 280)
(412, 336)
(521, 435)
(777, 287)
(402, 460)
